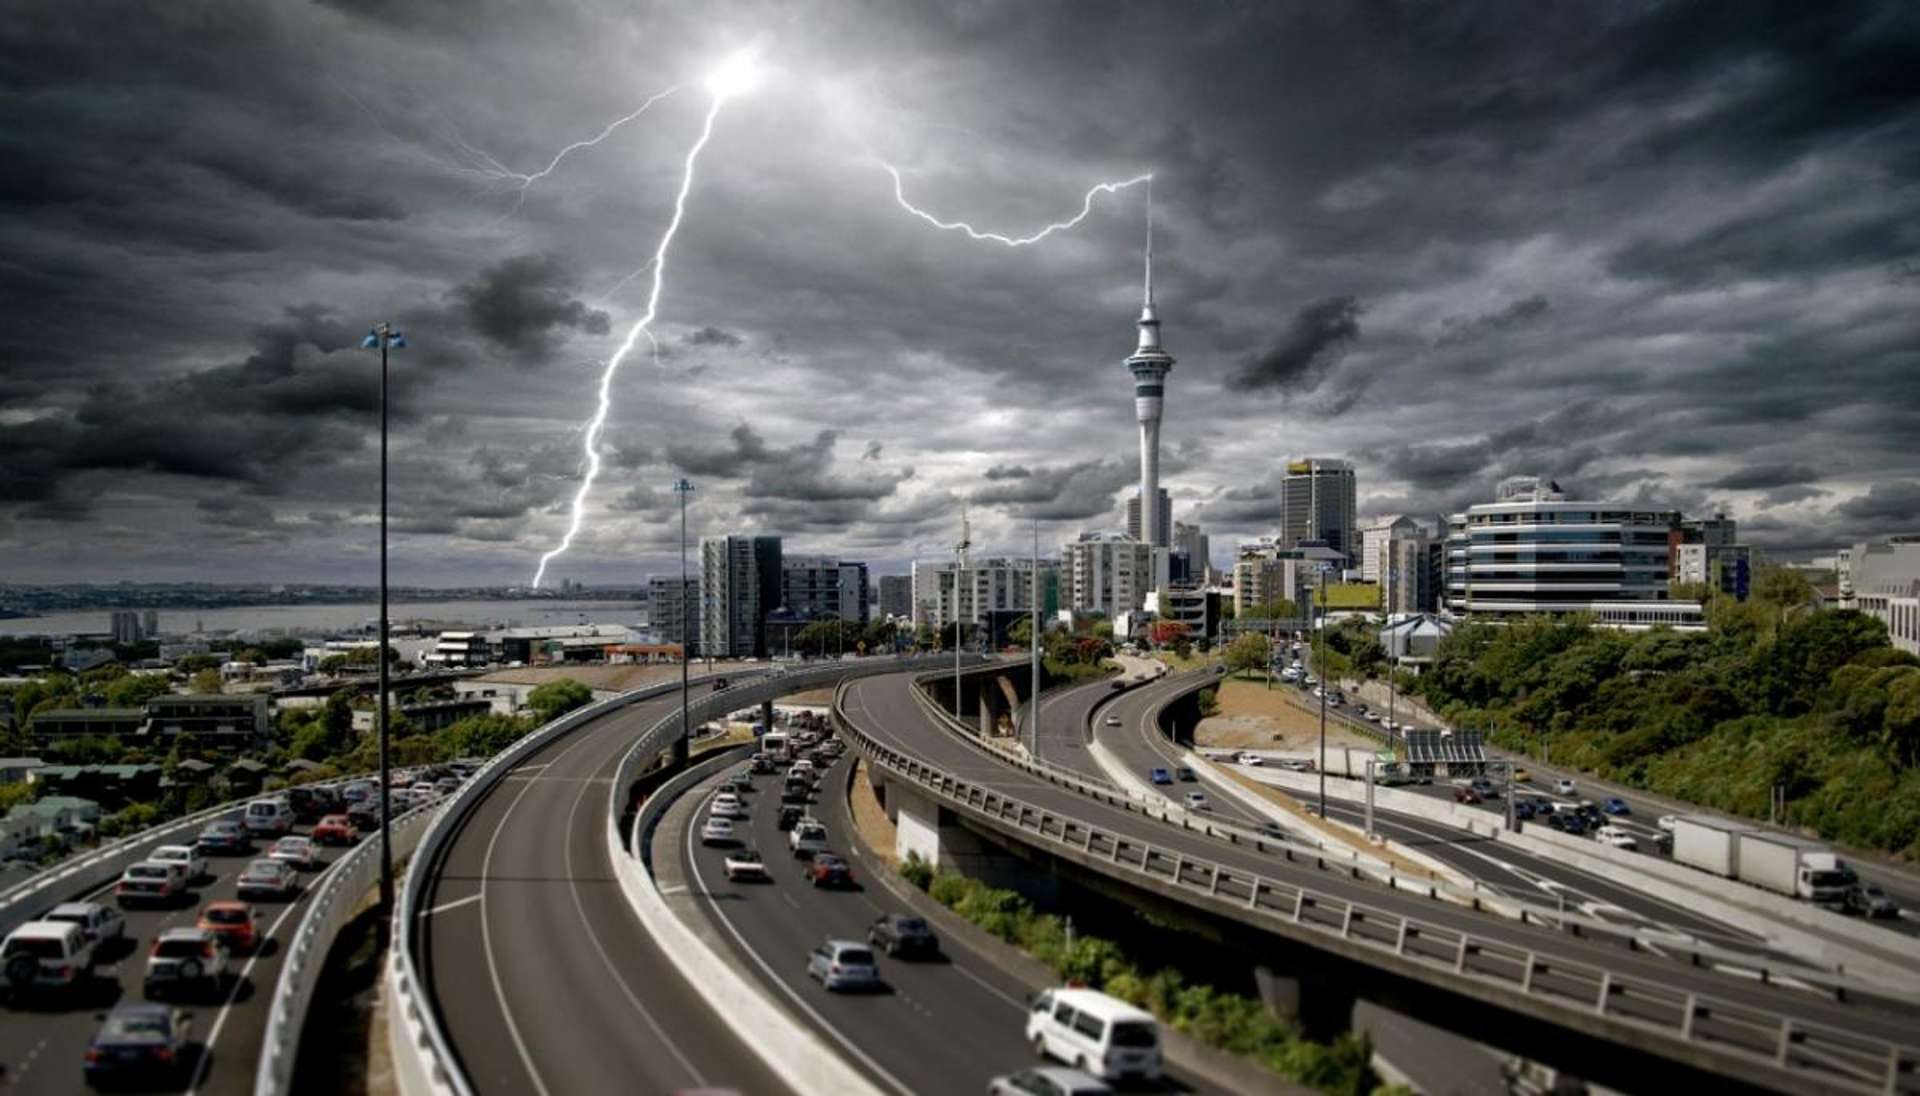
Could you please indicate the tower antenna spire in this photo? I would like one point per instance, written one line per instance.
(1149, 241)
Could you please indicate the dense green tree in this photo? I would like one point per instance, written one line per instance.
(193, 664)
(206, 681)
(557, 698)
(133, 690)
(1248, 652)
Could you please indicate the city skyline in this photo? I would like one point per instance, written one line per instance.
(1659, 256)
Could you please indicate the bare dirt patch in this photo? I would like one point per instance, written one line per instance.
(870, 818)
(1255, 717)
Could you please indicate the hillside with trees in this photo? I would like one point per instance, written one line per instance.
(1773, 694)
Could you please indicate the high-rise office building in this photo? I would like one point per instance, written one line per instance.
(674, 610)
(896, 596)
(1149, 364)
(1533, 550)
(1164, 523)
(739, 586)
(984, 587)
(1192, 553)
(150, 623)
(1317, 504)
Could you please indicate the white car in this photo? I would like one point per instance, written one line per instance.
(716, 831)
(295, 852)
(1615, 836)
(1198, 801)
(1667, 822)
(102, 923)
(746, 864)
(1251, 759)
(423, 793)
(1112, 721)
(727, 805)
(807, 839)
(151, 881)
(191, 860)
(1375, 717)
(1563, 787)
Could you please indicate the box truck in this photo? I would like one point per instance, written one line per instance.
(1709, 844)
(1793, 866)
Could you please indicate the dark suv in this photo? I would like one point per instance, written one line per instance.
(900, 934)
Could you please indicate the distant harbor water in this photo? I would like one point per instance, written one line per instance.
(345, 617)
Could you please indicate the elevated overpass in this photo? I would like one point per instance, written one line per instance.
(1600, 1009)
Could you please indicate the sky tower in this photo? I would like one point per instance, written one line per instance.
(1149, 364)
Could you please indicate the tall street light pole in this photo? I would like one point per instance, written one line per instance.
(1034, 596)
(1325, 684)
(385, 337)
(684, 489)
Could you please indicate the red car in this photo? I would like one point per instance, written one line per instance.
(827, 870)
(232, 923)
(1464, 794)
(336, 829)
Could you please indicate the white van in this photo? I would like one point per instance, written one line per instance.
(269, 816)
(1096, 1034)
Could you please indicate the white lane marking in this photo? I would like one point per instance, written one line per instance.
(455, 904)
(580, 907)
(820, 1022)
(674, 888)
(486, 927)
(246, 972)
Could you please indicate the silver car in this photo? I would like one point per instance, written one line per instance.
(1048, 1081)
(844, 964)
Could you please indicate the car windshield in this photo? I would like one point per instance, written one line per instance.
(172, 852)
(1132, 1034)
(179, 949)
(147, 871)
(911, 926)
(263, 867)
(747, 856)
(226, 916)
(855, 957)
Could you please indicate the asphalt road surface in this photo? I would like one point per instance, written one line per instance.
(541, 973)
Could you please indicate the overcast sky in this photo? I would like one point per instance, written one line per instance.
(1665, 252)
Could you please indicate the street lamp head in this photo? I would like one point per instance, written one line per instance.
(383, 334)
(683, 486)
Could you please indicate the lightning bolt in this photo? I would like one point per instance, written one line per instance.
(1086, 207)
(521, 182)
(591, 443)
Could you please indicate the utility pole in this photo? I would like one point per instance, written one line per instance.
(684, 488)
(1370, 764)
(384, 336)
(959, 572)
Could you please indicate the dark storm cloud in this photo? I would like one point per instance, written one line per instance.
(1069, 492)
(713, 336)
(1885, 508)
(1642, 248)
(1309, 348)
(520, 301)
(1462, 329)
(1761, 477)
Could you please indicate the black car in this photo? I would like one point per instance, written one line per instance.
(797, 790)
(900, 934)
(311, 804)
(790, 816)
(1865, 898)
(224, 836)
(140, 1043)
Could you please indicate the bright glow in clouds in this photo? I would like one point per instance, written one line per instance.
(1086, 207)
(736, 75)
(734, 83)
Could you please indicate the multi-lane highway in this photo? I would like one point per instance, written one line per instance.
(884, 709)
(42, 1044)
(1137, 741)
(541, 974)
(945, 1026)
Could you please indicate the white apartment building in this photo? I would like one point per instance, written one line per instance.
(1264, 575)
(1107, 573)
(1533, 550)
(1883, 581)
(981, 587)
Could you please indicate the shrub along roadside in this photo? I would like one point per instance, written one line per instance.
(1231, 1022)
